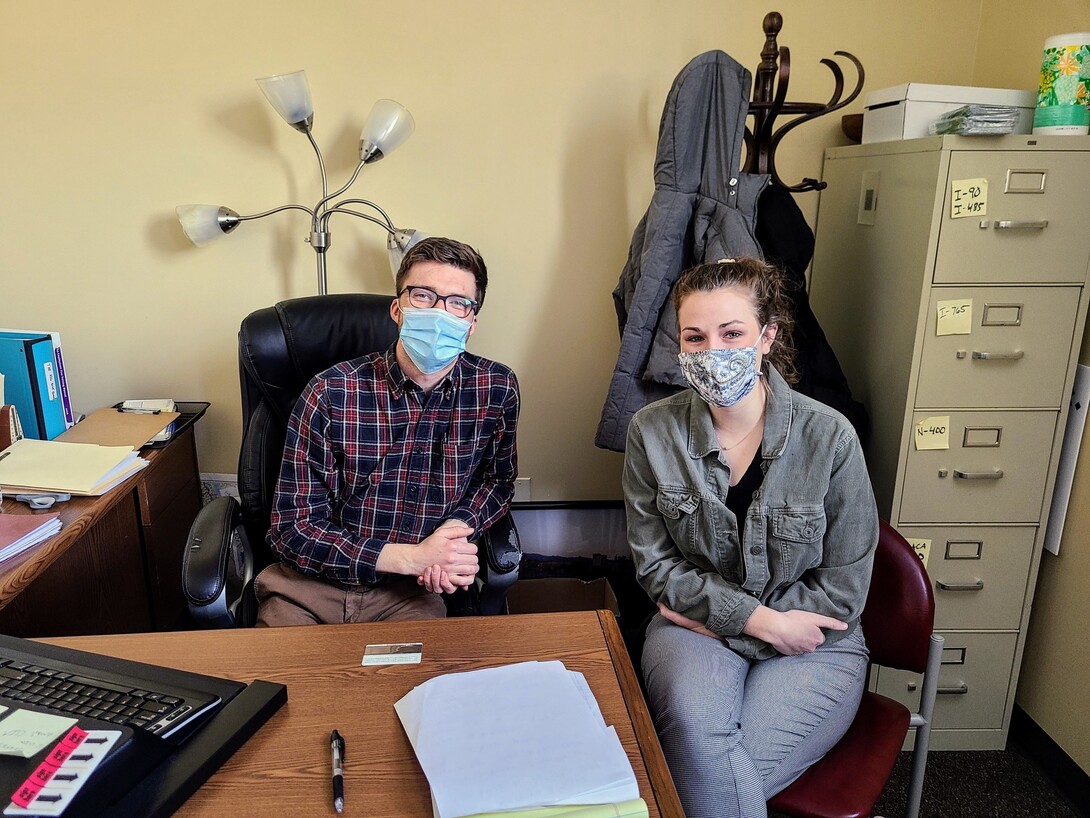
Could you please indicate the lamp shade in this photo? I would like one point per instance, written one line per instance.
(289, 94)
(399, 242)
(387, 126)
(204, 224)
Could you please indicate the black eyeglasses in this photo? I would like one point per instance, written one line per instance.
(425, 298)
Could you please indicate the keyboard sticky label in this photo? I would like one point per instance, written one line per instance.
(52, 787)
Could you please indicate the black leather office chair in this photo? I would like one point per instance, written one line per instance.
(281, 348)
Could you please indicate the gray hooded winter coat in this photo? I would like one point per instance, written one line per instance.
(703, 209)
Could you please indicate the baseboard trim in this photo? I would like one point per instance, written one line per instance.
(1067, 777)
(566, 505)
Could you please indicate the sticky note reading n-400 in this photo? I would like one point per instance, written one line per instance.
(954, 317)
(968, 197)
(932, 433)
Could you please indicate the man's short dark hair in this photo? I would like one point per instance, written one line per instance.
(446, 251)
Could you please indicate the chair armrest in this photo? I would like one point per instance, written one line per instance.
(501, 546)
(502, 552)
(218, 568)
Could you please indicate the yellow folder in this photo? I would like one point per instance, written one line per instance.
(636, 808)
(78, 468)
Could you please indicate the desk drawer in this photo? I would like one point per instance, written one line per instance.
(973, 681)
(1039, 200)
(167, 476)
(979, 574)
(1017, 353)
(994, 470)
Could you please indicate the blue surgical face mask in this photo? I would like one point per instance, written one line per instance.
(433, 337)
(722, 377)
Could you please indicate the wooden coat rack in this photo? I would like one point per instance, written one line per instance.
(770, 101)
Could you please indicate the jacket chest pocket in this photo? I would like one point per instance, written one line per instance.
(699, 528)
(798, 537)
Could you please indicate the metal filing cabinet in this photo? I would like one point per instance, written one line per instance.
(950, 276)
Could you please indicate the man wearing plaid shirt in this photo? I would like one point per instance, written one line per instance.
(395, 462)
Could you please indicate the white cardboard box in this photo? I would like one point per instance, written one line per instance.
(906, 111)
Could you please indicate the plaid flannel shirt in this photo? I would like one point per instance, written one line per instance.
(370, 458)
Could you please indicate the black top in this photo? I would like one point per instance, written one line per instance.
(740, 496)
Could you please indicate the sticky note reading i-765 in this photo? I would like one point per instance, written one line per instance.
(403, 653)
(954, 317)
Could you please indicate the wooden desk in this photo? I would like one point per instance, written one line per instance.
(117, 560)
(284, 769)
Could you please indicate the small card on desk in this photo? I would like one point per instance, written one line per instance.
(403, 653)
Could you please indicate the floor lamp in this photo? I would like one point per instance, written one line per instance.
(387, 126)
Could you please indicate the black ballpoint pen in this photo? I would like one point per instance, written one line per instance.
(336, 746)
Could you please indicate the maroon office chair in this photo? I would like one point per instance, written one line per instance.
(898, 621)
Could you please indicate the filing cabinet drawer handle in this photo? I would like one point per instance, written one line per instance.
(955, 690)
(999, 356)
(960, 586)
(1012, 225)
(978, 475)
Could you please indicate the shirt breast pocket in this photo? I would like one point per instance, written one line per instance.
(799, 535)
(689, 524)
(457, 461)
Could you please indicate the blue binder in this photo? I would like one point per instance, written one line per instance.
(32, 383)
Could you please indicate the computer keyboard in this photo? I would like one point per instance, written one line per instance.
(80, 695)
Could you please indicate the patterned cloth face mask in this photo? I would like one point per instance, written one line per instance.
(433, 337)
(722, 377)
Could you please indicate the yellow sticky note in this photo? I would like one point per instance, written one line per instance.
(922, 548)
(968, 197)
(954, 317)
(25, 732)
(932, 433)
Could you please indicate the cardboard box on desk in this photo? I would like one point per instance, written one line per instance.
(552, 594)
(907, 111)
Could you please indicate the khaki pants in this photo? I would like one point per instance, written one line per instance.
(286, 597)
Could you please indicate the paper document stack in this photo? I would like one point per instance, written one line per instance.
(551, 748)
(18, 532)
(977, 120)
(29, 465)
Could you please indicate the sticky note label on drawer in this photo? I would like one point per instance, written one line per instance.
(954, 317)
(968, 197)
(932, 433)
(921, 547)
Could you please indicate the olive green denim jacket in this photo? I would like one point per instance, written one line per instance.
(810, 531)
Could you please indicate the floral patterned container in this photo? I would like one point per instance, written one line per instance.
(1064, 91)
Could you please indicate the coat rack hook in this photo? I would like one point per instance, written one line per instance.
(770, 101)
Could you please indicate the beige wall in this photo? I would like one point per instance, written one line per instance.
(1052, 688)
(536, 128)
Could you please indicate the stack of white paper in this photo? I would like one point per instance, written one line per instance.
(515, 737)
(18, 532)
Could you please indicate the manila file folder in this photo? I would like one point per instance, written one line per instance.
(109, 427)
(77, 468)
